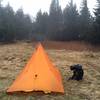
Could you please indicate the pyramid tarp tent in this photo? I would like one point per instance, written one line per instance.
(38, 75)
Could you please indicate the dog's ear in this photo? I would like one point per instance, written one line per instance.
(71, 67)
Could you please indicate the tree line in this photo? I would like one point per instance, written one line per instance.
(57, 24)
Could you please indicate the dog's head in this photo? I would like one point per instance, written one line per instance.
(76, 67)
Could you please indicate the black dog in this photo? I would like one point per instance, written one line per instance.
(77, 72)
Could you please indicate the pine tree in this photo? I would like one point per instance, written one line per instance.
(71, 15)
(7, 23)
(41, 25)
(55, 19)
(1, 2)
(96, 35)
(85, 20)
(23, 25)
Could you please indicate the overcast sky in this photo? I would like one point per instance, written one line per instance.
(33, 6)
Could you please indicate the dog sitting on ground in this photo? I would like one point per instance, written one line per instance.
(77, 72)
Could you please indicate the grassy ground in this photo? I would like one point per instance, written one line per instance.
(13, 57)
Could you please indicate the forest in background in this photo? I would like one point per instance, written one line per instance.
(58, 25)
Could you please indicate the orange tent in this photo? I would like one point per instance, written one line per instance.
(38, 75)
